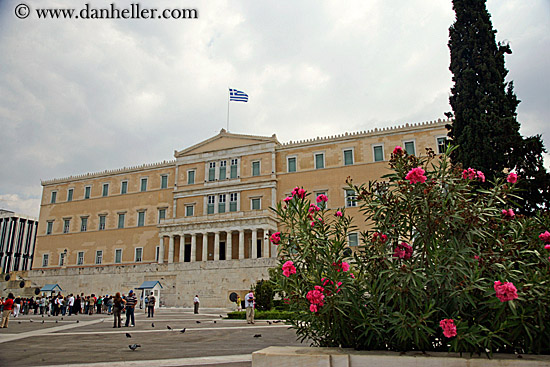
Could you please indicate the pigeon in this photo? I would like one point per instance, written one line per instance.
(258, 335)
(42, 321)
(128, 335)
(77, 321)
(276, 321)
(152, 324)
(56, 321)
(42, 315)
(269, 322)
(214, 321)
(198, 322)
(18, 322)
(134, 346)
(62, 319)
(182, 330)
(168, 327)
(221, 317)
(31, 320)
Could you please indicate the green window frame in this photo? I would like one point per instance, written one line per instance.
(105, 190)
(210, 204)
(98, 257)
(234, 163)
(348, 157)
(83, 224)
(256, 204)
(124, 187)
(378, 151)
(70, 194)
(118, 256)
(54, 197)
(162, 214)
(212, 171)
(164, 181)
(233, 197)
(223, 173)
(121, 220)
(138, 254)
(319, 160)
(49, 227)
(291, 164)
(102, 222)
(87, 192)
(221, 203)
(141, 219)
(350, 199)
(256, 168)
(80, 258)
(143, 187)
(442, 145)
(353, 240)
(45, 260)
(66, 225)
(190, 177)
(410, 148)
(189, 210)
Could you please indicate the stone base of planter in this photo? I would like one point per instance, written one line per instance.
(337, 357)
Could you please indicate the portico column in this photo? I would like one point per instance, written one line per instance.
(161, 250)
(265, 252)
(205, 246)
(241, 244)
(171, 249)
(254, 254)
(216, 246)
(182, 248)
(193, 247)
(228, 244)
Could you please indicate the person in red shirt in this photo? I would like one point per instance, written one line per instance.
(8, 307)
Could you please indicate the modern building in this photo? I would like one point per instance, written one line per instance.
(211, 203)
(17, 241)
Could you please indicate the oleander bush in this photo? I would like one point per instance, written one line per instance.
(446, 264)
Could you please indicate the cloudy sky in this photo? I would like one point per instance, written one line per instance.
(80, 96)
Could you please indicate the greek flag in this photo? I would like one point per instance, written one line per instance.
(237, 95)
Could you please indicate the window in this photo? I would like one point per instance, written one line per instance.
(66, 225)
(61, 259)
(256, 168)
(105, 190)
(144, 184)
(54, 197)
(212, 171)
(80, 258)
(189, 210)
(221, 203)
(121, 219)
(442, 145)
(45, 258)
(409, 147)
(98, 257)
(353, 239)
(256, 204)
(139, 254)
(83, 224)
(378, 152)
(234, 163)
(141, 219)
(348, 157)
(223, 165)
(124, 187)
(87, 191)
(49, 227)
(118, 256)
(233, 202)
(210, 205)
(322, 204)
(70, 195)
(164, 181)
(190, 177)
(291, 164)
(319, 160)
(162, 214)
(350, 199)
(102, 222)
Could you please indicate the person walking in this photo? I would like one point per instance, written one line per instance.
(196, 303)
(118, 306)
(16, 306)
(8, 307)
(249, 305)
(131, 302)
(151, 306)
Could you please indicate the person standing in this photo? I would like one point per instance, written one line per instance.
(249, 305)
(8, 307)
(196, 303)
(16, 306)
(118, 306)
(131, 302)
(151, 306)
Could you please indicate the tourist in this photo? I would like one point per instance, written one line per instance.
(131, 302)
(91, 304)
(16, 306)
(8, 306)
(118, 306)
(151, 305)
(249, 305)
(196, 303)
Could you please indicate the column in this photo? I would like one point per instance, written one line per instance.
(182, 248)
(205, 246)
(254, 254)
(241, 244)
(193, 247)
(228, 244)
(216, 246)
(161, 250)
(265, 251)
(171, 249)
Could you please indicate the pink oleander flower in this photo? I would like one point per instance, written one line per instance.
(481, 176)
(508, 213)
(345, 266)
(313, 208)
(416, 175)
(383, 238)
(512, 178)
(313, 224)
(397, 150)
(545, 236)
(547, 247)
(322, 198)
(289, 268)
(449, 327)
(472, 174)
(505, 291)
(352, 276)
(338, 287)
(301, 193)
(316, 297)
(403, 251)
(313, 308)
(287, 199)
(275, 238)
(338, 213)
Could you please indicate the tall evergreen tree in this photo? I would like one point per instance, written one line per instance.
(485, 125)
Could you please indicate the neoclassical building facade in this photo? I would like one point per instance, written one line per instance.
(211, 202)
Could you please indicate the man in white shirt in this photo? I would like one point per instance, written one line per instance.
(196, 303)
(249, 305)
(71, 304)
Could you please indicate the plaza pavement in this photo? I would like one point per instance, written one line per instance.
(32, 340)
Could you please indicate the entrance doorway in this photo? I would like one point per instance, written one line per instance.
(222, 250)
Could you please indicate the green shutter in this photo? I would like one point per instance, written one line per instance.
(319, 161)
(409, 147)
(348, 157)
(292, 164)
(378, 154)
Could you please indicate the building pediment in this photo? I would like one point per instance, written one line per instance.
(224, 141)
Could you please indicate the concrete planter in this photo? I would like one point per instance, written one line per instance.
(337, 357)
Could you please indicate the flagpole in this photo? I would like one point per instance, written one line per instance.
(228, 98)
